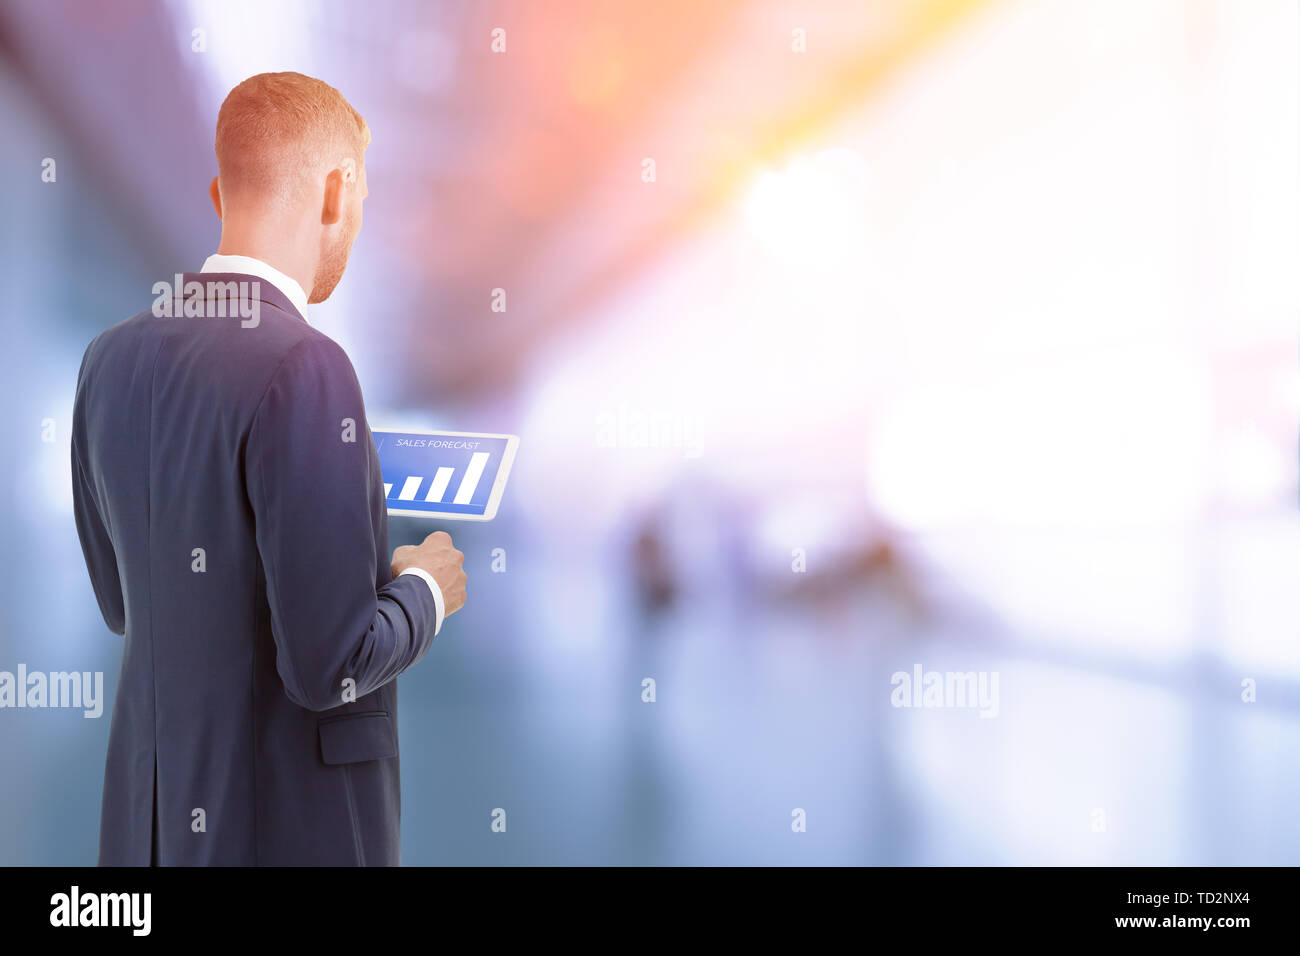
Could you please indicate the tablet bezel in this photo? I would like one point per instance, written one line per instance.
(498, 485)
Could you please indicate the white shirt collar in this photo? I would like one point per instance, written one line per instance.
(247, 265)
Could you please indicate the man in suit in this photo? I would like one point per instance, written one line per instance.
(231, 511)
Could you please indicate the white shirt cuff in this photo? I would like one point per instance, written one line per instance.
(437, 595)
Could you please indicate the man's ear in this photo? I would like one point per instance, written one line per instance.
(215, 192)
(332, 210)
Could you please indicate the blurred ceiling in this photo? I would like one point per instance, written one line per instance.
(519, 170)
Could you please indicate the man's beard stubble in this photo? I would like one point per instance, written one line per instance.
(332, 263)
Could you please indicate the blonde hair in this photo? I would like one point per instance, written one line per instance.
(275, 131)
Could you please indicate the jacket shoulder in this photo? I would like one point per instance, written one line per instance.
(214, 362)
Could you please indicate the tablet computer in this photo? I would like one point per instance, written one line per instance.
(457, 475)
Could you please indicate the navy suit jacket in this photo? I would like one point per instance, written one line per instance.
(231, 510)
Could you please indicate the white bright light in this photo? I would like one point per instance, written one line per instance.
(247, 37)
(812, 212)
(1103, 440)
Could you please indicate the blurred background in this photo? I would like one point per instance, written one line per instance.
(843, 339)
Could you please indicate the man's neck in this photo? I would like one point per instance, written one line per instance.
(252, 265)
(276, 257)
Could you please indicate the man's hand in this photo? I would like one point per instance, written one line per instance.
(438, 557)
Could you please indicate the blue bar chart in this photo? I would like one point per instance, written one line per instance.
(439, 474)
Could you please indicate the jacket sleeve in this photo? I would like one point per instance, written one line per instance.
(96, 543)
(308, 472)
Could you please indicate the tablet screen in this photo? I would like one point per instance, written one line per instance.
(446, 474)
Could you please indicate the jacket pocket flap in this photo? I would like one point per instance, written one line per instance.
(352, 738)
